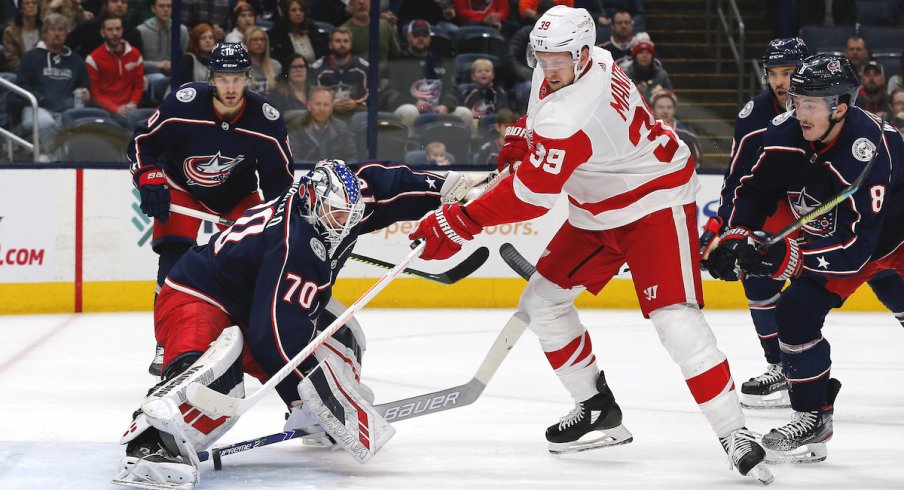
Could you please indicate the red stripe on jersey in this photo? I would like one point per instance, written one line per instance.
(707, 385)
(667, 181)
(558, 358)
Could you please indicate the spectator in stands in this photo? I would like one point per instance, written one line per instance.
(436, 154)
(86, 37)
(116, 70)
(331, 11)
(517, 52)
(421, 82)
(896, 105)
(343, 73)
(488, 153)
(22, 34)
(156, 53)
(873, 96)
(897, 80)
(267, 10)
(292, 87)
(263, 67)
(664, 103)
(213, 12)
(623, 38)
(440, 13)
(359, 26)
(70, 9)
(646, 75)
(482, 96)
(194, 62)
(322, 135)
(243, 17)
(55, 75)
(7, 11)
(530, 10)
(492, 13)
(857, 52)
(295, 32)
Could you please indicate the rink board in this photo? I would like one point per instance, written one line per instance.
(76, 240)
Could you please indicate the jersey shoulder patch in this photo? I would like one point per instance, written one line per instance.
(746, 110)
(779, 119)
(863, 149)
(270, 112)
(186, 94)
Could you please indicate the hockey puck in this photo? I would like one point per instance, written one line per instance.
(217, 462)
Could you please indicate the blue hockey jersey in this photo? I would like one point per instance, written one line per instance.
(217, 161)
(752, 121)
(273, 272)
(866, 226)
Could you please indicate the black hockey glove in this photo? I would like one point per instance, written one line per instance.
(781, 261)
(155, 195)
(723, 260)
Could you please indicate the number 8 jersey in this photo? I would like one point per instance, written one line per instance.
(597, 141)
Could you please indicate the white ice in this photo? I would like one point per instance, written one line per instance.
(69, 383)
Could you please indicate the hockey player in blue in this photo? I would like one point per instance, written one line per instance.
(272, 274)
(208, 147)
(780, 59)
(809, 155)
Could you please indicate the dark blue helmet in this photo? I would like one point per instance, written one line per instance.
(229, 58)
(785, 52)
(826, 75)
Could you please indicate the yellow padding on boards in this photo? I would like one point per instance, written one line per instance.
(401, 293)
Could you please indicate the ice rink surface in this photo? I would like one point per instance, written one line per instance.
(69, 383)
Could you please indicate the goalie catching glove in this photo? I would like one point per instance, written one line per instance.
(737, 251)
(445, 230)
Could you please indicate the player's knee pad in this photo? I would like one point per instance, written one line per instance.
(801, 311)
(889, 288)
(688, 339)
(550, 308)
(332, 402)
(185, 429)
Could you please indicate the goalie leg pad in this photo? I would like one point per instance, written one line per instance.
(690, 342)
(566, 343)
(331, 397)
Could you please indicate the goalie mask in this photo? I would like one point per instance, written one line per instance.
(334, 200)
(562, 29)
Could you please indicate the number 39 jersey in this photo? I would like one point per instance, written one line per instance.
(597, 141)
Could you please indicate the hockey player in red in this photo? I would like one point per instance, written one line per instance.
(631, 187)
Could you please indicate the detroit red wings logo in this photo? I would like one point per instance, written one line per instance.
(210, 170)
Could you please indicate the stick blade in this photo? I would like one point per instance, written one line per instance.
(516, 261)
(211, 402)
(466, 267)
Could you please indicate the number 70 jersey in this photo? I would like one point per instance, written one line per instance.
(597, 141)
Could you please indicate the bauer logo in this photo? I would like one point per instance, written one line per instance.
(439, 402)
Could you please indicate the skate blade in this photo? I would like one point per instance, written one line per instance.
(776, 399)
(615, 436)
(808, 453)
(761, 473)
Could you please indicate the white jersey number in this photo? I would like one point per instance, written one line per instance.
(550, 160)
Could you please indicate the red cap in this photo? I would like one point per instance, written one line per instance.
(648, 45)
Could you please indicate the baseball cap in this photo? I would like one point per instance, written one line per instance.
(418, 26)
(643, 45)
(874, 64)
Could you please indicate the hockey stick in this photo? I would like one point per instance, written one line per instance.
(464, 269)
(516, 261)
(415, 406)
(214, 403)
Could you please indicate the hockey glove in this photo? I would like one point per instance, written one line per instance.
(723, 260)
(708, 242)
(515, 148)
(155, 195)
(445, 230)
(781, 261)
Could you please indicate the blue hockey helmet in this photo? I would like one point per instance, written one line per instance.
(832, 77)
(229, 58)
(785, 52)
(335, 202)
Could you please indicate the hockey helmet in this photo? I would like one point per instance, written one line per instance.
(829, 76)
(336, 202)
(229, 58)
(562, 29)
(785, 52)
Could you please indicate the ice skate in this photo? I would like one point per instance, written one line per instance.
(803, 440)
(768, 390)
(593, 423)
(746, 454)
(156, 367)
(149, 464)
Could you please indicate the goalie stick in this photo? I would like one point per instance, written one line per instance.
(464, 269)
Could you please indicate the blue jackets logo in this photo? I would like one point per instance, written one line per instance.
(210, 170)
(802, 203)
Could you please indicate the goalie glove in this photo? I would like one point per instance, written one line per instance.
(515, 148)
(781, 261)
(461, 187)
(155, 195)
(445, 230)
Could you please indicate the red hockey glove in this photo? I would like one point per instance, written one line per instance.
(711, 230)
(723, 260)
(155, 195)
(515, 148)
(781, 261)
(445, 230)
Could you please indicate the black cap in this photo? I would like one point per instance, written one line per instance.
(873, 64)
